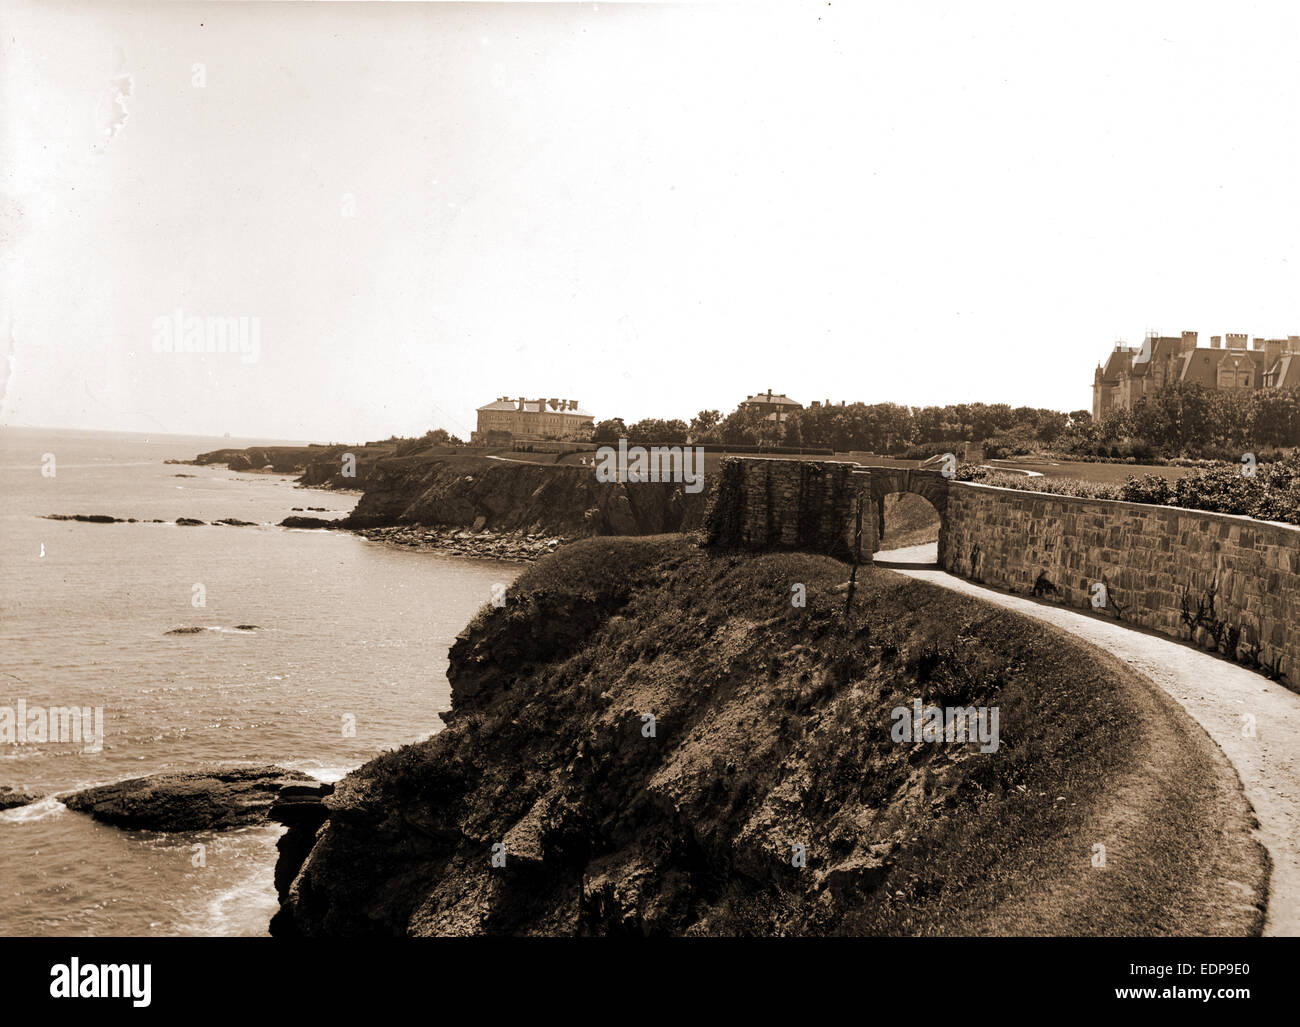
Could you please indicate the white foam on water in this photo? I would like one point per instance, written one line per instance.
(29, 814)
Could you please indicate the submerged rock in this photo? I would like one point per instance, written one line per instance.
(86, 518)
(186, 521)
(12, 798)
(189, 630)
(208, 799)
(235, 522)
(308, 522)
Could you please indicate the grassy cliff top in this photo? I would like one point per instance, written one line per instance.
(772, 730)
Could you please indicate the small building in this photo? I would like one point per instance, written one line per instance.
(531, 420)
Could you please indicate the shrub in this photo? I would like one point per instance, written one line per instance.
(925, 450)
(1150, 488)
(1010, 443)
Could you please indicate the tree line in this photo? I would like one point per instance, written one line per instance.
(1178, 420)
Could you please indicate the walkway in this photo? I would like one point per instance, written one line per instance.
(1219, 696)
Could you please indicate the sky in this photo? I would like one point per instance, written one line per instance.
(421, 207)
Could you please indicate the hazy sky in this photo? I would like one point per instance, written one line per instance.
(651, 209)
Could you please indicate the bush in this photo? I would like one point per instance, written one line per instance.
(1010, 443)
(925, 450)
(1150, 488)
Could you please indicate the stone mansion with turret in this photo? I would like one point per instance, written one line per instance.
(1131, 372)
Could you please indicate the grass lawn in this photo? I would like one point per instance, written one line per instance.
(1116, 473)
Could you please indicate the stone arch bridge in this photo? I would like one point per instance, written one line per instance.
(1225, 582)
(831, 506)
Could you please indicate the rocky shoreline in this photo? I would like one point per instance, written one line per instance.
(482, 544)
(453, 540)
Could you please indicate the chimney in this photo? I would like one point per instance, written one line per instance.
(1237, 340)
(1216, 341)
(1189, 342)
(1293, 343)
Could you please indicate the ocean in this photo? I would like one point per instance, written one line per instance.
(348, 660)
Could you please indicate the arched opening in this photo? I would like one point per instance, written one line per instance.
(907, 526)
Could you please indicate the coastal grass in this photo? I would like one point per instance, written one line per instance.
(772, 708)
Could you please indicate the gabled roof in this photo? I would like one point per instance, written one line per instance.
(1286, 372)
(1201, 367)
(776, 398)
(1119, 360)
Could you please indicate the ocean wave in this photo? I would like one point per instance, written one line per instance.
(313, 768)
(29, 814)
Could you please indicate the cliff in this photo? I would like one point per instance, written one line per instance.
(318, 466)
(468, 489)
(649, 738)
(503, 495)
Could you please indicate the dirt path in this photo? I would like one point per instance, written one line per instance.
(1221, 697)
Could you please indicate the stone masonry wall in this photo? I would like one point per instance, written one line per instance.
(791, 504)
(1236, 580)
(1226, 583)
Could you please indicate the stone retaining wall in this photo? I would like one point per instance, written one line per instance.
(1223, 581)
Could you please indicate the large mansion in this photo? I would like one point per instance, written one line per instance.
(531, 420)
(774, 407)
(1131, 372)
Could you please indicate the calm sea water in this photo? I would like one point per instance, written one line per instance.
(349, 633)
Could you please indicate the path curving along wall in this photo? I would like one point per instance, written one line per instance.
(1227, 583)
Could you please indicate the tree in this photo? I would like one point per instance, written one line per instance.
(607, 433)
(1051, 426)
(704, 424)
(742, 427)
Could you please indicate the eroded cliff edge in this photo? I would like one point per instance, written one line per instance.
(772, 734)
(560, 500)
(467, 489)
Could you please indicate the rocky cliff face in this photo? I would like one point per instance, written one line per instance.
(504, 496)
(468, 490)
(652, 739)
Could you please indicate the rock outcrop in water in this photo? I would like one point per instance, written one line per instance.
(208, 799)
(12, 798)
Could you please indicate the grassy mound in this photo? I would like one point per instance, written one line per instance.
(771, 740)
